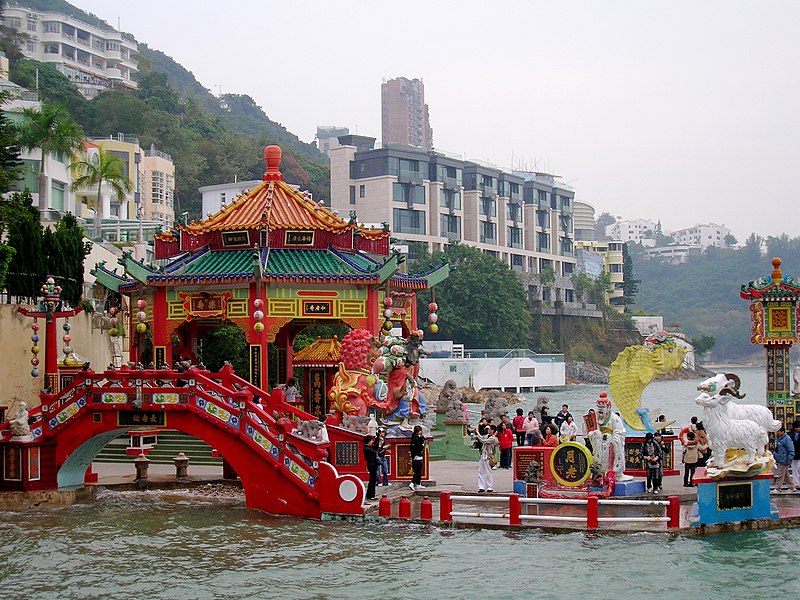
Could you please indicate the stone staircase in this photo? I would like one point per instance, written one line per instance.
(170, 443)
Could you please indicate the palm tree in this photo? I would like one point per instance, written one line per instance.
(94, 171)
(52, 130)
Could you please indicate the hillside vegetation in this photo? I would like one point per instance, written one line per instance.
(701, 296)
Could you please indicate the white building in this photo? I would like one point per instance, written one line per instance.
(709, 234)
(94, 57)
(214, 197)
(638, 231)
(674, 253)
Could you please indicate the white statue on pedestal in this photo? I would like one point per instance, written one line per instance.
(796, 381)
(18, 426)
(610, 436)
(737, 433)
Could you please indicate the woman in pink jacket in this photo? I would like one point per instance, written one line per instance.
(533, 435)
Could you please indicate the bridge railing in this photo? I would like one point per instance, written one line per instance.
(591, 518)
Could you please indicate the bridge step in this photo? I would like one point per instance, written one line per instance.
(170, 443)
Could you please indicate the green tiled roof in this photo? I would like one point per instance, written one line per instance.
(226, 262)
(318, 262)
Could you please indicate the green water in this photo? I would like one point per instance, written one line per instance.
(159, 545)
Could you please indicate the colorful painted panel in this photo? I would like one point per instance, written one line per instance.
(317, 308)
(262, 441)
(569, 463)
(218, 412)
(282, 308)
(351, 308)
(113, 398)
(168, 398)
(298, 238)
(69, 412)
(237, 309)
(12, 463)
(298, 471)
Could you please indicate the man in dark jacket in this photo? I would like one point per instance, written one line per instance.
(371, 457)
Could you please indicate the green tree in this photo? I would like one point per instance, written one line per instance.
(629, 285)
(605, 219)
(703, 344)
(107, 168)
(66, 250)
(582, 284)
(10, 165)
(730, 240)
(482, 304)
(19, 221)
(52, 131)
(547, 278)
(226, 343)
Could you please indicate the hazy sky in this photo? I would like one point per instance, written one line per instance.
(684, 111)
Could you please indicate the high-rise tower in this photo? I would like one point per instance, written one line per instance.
(404, 114)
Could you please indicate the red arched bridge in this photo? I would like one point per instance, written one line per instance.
(281, 471)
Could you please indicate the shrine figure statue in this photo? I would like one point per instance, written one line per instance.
(608, 441)
(19, 425)
(399, 361)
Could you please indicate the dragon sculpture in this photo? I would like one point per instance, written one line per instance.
(634, 369)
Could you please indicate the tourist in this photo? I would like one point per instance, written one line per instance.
(533, 436)
(569, 430)
(505, 439)
(383, 457)
(561, 416)
(783, 455)
(291, 391)
(661, 425)
(417, 457)
(690, 456)
(795, 436)
(519, 429)
(549, 437)
(371, 457)
(488, 444)
(703, 451)
(653, 457)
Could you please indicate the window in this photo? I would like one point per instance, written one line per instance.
(542, 197)
(615, 268)
(407, 192)
(517, 262)
(352, 194)
(450, 199)
(543, 219)
(450, 226)
(487, 182)
(52, 27)
(31, 46)
(488, 231)
(565, 201)
(31, 25)
(362, 191)
(513, 212)
(157, 194)
(408, 221)
(489, 207)
(222, 198)
(543, 242)
(514, 237)
(57, 196)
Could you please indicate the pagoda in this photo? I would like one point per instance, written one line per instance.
(273, 262)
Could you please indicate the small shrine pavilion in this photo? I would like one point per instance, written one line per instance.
(273, 262)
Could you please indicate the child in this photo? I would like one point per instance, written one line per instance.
(691, 454)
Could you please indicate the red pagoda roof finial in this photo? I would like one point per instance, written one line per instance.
(776, 271)
(272, 158)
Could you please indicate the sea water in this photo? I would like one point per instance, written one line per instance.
(184, 546)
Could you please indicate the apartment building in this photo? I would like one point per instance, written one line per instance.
(214, 197)
(611, 261)
(430, 198)
(158, 187)
(404, 115)
(328, 137)
(709, 234)
(93, 56)
(638, 231)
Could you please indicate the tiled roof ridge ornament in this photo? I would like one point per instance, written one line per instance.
(272, 158)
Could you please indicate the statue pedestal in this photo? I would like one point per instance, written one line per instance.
(456, 443)
(732, 499)
(27, 467)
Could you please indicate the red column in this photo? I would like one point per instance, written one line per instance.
(426, 509)
(404, 508)
(674, 512)
(159, 318)
(592, 512)
(514, 510)
(374, 311)
(445, 507)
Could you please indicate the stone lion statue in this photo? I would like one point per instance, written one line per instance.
(310, 430)
(357, 423)
(534, 473)
(496, 406)
(451, 403)
(448, 391)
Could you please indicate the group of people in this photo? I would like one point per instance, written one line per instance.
(549, 431)
(695, 450)
(376, 455)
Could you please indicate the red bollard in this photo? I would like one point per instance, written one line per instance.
(385, 507)
(514, 510)
(404, 509)
(426, 509)
(674, 511)
(445, 507)
(592, 512)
